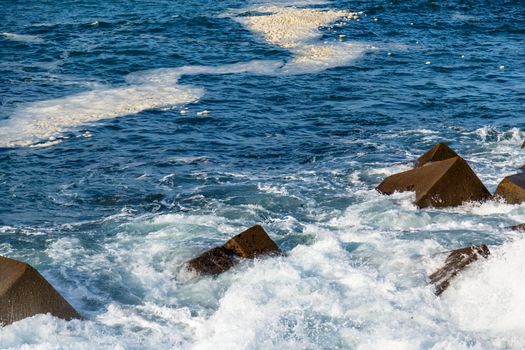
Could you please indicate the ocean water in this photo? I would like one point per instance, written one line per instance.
(134, 135)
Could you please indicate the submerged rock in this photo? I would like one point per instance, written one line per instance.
(439, 152)
(25, 293)
(251, 243)
(212, 262)
(445, 183)
(457, 261)
(512, 189)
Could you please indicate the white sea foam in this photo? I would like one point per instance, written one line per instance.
(152, 89)
(489, 298)
(360, 282)
(290, 27)
(359, 285)
(297, 30)
(46, 119)
(279, 190)
(164, 76)
(22, 37)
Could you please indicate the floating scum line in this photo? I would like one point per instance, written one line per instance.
(292, 28)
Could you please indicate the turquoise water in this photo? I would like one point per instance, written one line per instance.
(135, 135)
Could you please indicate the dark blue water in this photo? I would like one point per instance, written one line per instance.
(112, 210)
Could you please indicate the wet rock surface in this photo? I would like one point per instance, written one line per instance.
(512, 189)
(456, 261)
(252, 243)
(24, 292)
(212, 262)
(445, 183)
(520, 227)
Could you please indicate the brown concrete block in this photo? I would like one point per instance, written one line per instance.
(520, 227)
(512, 189)
(439, 152)
(212, 262)
(251, 243)
(445, 183)
(456, 262)
(25, 293)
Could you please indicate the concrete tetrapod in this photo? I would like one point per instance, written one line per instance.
(440, 151)
(25, 293)
(445, 183)
(457, 261)
(512, 189)
(212, 262)
(251, 243)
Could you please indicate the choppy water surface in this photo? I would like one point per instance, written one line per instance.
(135, 135)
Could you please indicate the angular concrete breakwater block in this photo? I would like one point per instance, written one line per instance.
(212, 262)
(439, 152)
(512, 189)
(252, 243)
(25, 293)
(445, 183)
(457, 261)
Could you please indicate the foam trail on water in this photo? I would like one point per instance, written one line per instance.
(158, 88)
(297, 30)
(22, 37)
(292, 28)
(45, 119)
(163, 76)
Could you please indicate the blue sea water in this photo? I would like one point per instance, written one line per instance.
(136, 134)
